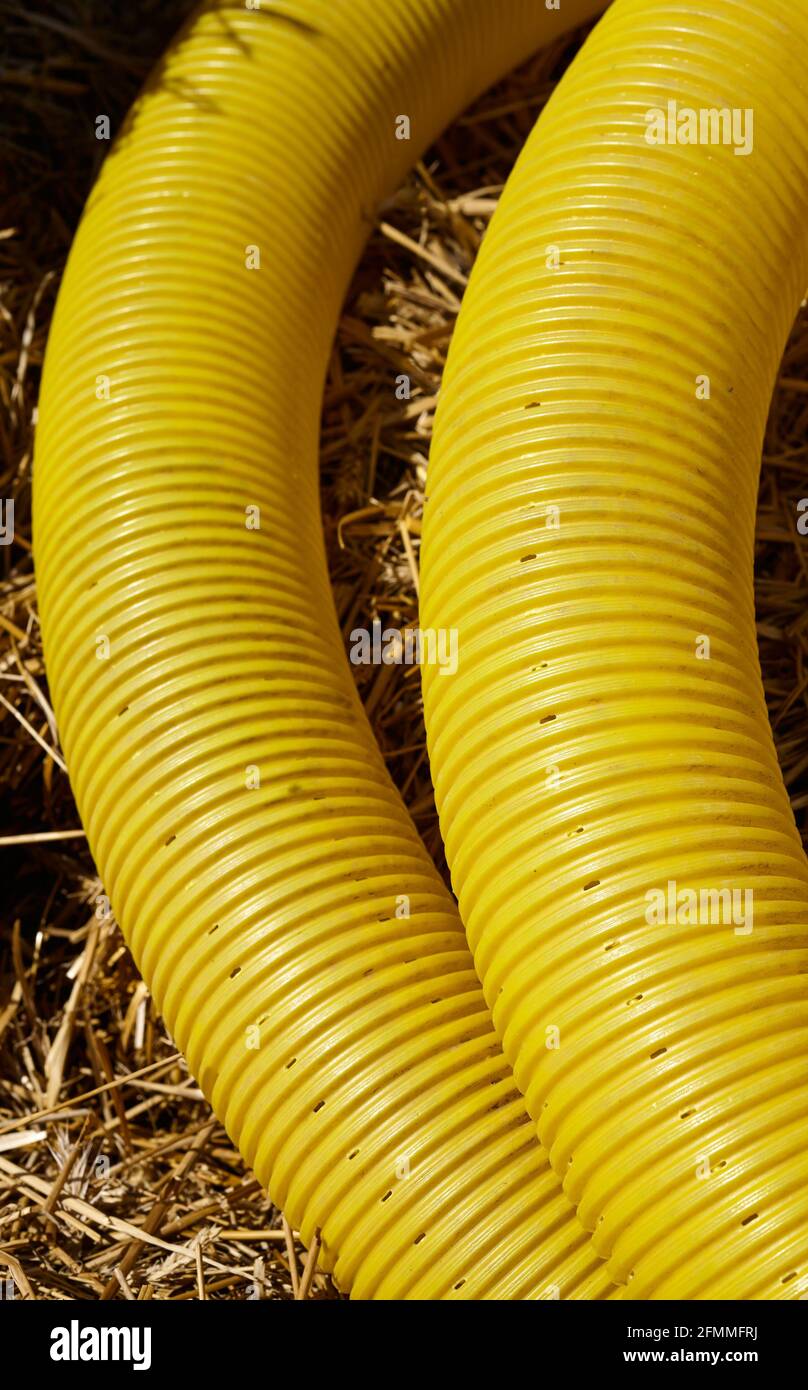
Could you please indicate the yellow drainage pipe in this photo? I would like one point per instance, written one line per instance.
(292, 929)
(589, 533)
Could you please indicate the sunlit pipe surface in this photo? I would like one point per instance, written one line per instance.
(589, 533)
(346, 1047)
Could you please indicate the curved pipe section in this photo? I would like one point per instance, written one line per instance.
(293, 931)
(628, 868)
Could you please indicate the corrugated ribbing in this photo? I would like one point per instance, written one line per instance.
(603, 753)
(254, 849)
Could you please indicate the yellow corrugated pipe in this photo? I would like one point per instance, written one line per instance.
(628, 868)
(255, 852)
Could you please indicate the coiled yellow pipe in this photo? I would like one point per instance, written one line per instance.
(255, 852)
(589, 533)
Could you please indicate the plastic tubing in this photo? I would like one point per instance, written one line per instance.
(254, 850)
(605, 743)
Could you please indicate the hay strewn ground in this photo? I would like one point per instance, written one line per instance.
(130, 1190)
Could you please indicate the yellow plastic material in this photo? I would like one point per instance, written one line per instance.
(589, 533)
(274, 892)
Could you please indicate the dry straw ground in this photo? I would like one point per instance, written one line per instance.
(125, 1187)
